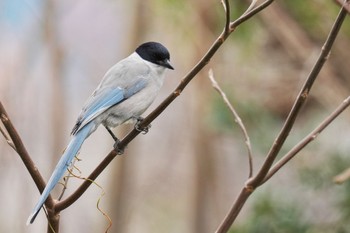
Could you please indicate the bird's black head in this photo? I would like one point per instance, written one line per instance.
(156, 53)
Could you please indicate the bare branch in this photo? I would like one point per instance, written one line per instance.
(26, 159)
(345, 4)
(238, 120)
(226, 5)
(301, 98)
(248, 14)
(8, 140)
(21, 150)
(251, 6)
(309, 138)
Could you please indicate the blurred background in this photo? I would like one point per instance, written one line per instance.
(184, 175)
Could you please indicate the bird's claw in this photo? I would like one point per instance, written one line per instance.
(118, 148)
(143, 130)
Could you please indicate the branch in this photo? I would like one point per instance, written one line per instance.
(238, 120)
(309, 138)
(301, 98)
(345, 4)
(155, 113)
(23, 154)
(247, 15)
(227, 8)
(8, 140)
(254, 182)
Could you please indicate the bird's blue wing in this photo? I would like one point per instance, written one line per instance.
(103, 99)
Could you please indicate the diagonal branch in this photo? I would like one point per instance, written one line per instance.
(8, 140)
(345, 4)
(309, 138)
(238, 120)
(247, 15)
(301, 98)
(23, 154)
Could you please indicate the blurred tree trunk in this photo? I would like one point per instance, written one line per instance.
(55, 55)
(205, 163)
(122, 182)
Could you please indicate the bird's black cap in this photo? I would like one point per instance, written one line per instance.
(156, 53)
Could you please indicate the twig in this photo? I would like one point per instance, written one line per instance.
(238, 120)
(247, 15)
(8, 140)
(250, 7)
(309, 138)
(227, 8)
(345, 4)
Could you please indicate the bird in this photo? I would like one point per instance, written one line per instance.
(125, 92)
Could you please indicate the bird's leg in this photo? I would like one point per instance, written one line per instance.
(143, 130)
(112, 134)
(117, 141)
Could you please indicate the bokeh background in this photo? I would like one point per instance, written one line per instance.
(184, 174)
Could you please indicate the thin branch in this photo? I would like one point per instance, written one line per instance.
(251, 6)
(309, 138)
(301, 98)
(238, 120)
(248, 15)
(8, 140)
(226, 5)
(345, 4)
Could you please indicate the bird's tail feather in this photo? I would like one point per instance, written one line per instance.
(66, 159)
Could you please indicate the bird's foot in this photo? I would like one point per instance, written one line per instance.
(137, 126)
(118, 148)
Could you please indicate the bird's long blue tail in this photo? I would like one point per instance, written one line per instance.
(66, 159)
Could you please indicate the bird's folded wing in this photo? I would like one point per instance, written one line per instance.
(105, 98)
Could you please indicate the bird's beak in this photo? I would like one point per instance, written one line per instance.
(166, 63)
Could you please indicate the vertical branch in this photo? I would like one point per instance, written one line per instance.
(226, 5)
